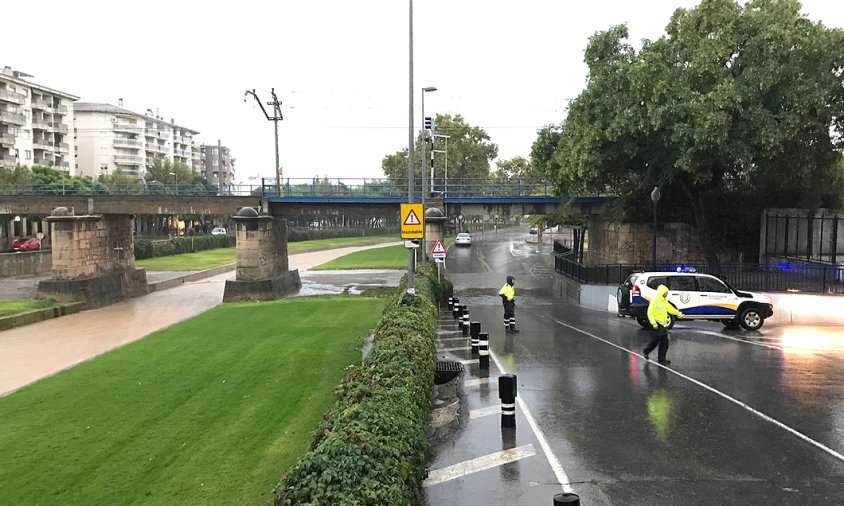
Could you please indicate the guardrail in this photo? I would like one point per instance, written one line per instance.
(770, 277)
(388, 188)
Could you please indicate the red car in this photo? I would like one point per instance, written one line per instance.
(26, 244)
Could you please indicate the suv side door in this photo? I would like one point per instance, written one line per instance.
(716, 298)
(682, 292)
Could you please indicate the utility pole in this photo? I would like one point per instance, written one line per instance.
(275, 118)
(411, 255)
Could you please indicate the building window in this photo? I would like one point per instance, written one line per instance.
(28, 154)
(103, 167)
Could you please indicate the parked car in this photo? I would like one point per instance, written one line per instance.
(26, 244)
(218, 231)
(698, 296)
(463, 239)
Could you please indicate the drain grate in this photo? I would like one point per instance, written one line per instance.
(446, 371)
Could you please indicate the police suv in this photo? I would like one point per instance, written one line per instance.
(697, 296)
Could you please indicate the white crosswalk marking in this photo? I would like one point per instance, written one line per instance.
(490, 461)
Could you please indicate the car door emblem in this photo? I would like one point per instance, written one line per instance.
(685, 298)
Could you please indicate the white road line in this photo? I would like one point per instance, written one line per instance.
(559, 472)
(458, 348)
(718, 334)
(469, 361)
(756, 412)
(453, 339)
(437, 476)
(487, 411)
(475, 382)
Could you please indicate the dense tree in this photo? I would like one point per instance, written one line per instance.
(734, 109)
(469, 152)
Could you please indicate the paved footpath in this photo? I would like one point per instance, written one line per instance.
(35, 351)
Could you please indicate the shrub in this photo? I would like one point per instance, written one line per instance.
(144, 248)
(372, 447)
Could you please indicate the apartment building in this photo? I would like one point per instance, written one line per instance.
(35, 123)
(110, 137)
(217, 166)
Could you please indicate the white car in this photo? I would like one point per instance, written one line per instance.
(218, 231)
(463, 239)
(697, 296)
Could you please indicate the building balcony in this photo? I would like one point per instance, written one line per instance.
(42, 144)
(126, 127)
(181, 152)
(12, 97)
(122, 159)
(41, 105)
(40, 124)
(7, 140)
(63, 165)
(40, 160)
(59, 127)
(60, 109)
(8, 160)
(128, 143)
(62, 147)
(12, 118)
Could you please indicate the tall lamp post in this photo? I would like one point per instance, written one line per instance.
(425, 189)
(655, 195)
(411, 256)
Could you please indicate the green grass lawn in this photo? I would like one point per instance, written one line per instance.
(212, 410)
(10, 307)
(216, 257)
(388, 257)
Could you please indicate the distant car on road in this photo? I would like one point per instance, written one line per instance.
(218, 231)
(463, 239)
(26, 244)
(534, 230)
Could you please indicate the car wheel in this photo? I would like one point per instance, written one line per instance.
(623, 297)
(671, 321)
(645, 323)
(751, 319)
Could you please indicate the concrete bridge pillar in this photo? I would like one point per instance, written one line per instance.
(434, 228)
(262, 266)
(93, 259)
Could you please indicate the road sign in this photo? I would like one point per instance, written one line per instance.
(438, 251)
(412, 221)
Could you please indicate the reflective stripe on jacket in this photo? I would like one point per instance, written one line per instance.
(659, 308)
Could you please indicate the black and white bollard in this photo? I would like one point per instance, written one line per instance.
(507, 394)
(464, 320)
(474, 330)
(483, 350)
(455, 311)
(569, 498)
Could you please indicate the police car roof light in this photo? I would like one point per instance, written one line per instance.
(682, 268)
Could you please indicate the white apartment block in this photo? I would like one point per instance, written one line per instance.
(35, 123)
(110, 137)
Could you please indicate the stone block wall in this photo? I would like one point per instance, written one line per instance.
(261, 248)
(90, 246)
(631, 243)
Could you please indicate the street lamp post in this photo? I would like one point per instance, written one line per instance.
(655, 195)
(411, 256)
(425, 189)
(175, 181)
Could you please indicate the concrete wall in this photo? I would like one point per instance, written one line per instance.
(91, 246)
(261, 248)
(631, 243)
(30, 263)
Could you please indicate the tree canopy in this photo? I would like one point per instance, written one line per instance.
(734, 109)
(469, 152)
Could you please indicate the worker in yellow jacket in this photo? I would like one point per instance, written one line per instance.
(658, 311)
(508, 298)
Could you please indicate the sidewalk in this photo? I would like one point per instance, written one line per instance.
(482, 463)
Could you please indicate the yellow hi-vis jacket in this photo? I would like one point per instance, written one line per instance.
(659, 308)
(508, 291)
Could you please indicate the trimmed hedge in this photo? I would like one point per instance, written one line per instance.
(372, 447)
(144, 248)
(310, 234)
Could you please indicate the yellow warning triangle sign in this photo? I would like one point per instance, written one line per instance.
(412, 219)
(438, 248)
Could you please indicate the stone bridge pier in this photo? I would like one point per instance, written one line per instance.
(263, 271)
(93, 259)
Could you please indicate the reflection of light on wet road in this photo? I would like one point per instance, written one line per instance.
(807, 341)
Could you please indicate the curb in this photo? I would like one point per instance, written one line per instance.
(38, 315)
(188, 278)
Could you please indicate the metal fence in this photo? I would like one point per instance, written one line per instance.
(391, 188)
(771, 277)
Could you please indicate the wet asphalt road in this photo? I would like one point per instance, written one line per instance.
(737, 418)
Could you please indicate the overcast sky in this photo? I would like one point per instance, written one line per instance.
(339, 67)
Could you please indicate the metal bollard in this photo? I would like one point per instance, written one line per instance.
(569, 498)
(507, 393)
(474, 330)
(464, 319)
(450, 303)
(455, 312)
(483, 350)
